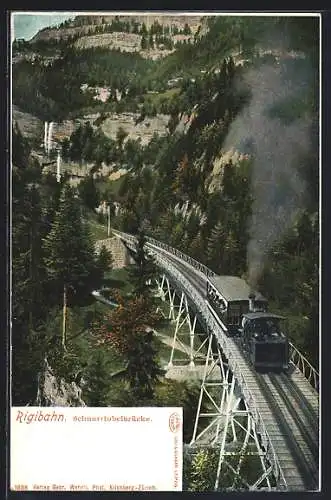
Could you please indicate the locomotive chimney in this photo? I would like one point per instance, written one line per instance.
(251, 298)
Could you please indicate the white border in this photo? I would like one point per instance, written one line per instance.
(320, 111)
(174, 13)
(191, 14)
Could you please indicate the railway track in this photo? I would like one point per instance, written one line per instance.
(292, 428)
(287, 403)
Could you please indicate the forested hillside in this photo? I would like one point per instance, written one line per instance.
(234, 182)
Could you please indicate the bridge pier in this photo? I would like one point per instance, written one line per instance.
(230, 425)
(246, 417)
(185, 326)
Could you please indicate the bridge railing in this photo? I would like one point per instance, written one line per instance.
(298, 360)
(303, 365)
(228, 349)
(183, 256)
(265, 438)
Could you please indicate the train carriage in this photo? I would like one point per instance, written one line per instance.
(243, 312)
(230, 297)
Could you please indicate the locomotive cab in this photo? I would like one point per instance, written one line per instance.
(264, 340)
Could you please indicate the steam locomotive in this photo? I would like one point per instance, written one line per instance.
(243, 313)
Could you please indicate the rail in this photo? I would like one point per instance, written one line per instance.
(235, 360)
(227, 347)
(296, 357)
(193, 262)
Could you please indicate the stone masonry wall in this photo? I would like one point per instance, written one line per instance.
(117, 248)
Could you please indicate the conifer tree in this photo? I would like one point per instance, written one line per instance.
(196, 248)
(28, 307)
(230, 255)
(120, 137)
(98, 379)
(88, 192)
(103, 263)
(69, 253)
(144, 270)
(215, 248)
(128, 329)
(20, 147)
(144, 42)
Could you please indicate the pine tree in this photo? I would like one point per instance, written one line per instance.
(76, 144)
(143, 369)
(143, 29)
(120, 136)
(144, 270)
(215, 248)
(197, 248)
(28, 307)
(229, 182)
(20, 147)
(104, 263)
(87, 142)
(105, 259)
(230, 255)
(144, 42)
(187, 29)
(98, 379)
(88, 192)
(27, 269)
(69, 251)
(128, 329)
(182, 176)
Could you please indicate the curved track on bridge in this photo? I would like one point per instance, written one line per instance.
(286, 403)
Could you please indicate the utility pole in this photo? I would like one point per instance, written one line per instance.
(108, 211)
(64, 317)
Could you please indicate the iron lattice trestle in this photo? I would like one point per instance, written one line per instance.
(225, 426)
(236, 405)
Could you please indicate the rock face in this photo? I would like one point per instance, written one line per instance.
(47, 34)
(83, 24)
(29, 125)
(143, 130)
(32, 127)
(229, 157)
(162, 18)
(86, 32)
(55, 392)
(125, 42)
(128, 42)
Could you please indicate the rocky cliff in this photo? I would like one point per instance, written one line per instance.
(164, 19)
(81, 25)
(57, 392)
(85, 31)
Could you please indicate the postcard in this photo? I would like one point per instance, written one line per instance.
(165, 239)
